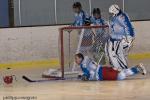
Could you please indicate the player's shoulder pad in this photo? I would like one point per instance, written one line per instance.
(121, 17)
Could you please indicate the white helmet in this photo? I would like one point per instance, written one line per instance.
(114, 9)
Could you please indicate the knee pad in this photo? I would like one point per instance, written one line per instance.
(128, 72)
(121, 76)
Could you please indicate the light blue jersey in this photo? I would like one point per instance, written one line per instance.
(89, 68)
(96, 21)
(101, 32)
(121, 26)
(80, 19)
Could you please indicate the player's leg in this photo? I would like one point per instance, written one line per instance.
(115, 54)
(137, 69)
(132, 71)
(120, 55)
(109, 52)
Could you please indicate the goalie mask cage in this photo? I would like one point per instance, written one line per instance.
(88, 40)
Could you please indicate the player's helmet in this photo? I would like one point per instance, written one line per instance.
(96, 11)
(114, 9)
(77, 5)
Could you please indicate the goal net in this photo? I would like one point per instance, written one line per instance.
(88, 40)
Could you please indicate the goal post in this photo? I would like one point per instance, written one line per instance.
(88, 40)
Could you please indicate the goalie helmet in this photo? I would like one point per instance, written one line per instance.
(114, 9)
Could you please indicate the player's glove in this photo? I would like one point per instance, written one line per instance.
(84, 78)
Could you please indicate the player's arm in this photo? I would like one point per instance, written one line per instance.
(123, 19)
(74, 23)
(109, 23)
(75, 20)
(104, 22)
(81, 19)
(86, 19)
(88, 68)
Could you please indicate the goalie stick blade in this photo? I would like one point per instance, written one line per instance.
(47, 80)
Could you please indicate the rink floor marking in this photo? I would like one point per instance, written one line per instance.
(139, 56)
(53, 63)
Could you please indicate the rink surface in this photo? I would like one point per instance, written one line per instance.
(134, 88)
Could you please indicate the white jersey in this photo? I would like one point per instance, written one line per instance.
(89, 68)
(121, 26)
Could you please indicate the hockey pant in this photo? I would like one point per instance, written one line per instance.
(114, 52)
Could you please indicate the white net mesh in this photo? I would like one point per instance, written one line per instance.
(88, 40)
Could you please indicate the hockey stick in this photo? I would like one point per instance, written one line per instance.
(100, 49)
(101, 58)
(47, 80)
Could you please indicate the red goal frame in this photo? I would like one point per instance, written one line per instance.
(61, 34)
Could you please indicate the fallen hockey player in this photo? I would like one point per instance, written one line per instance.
(92, 71)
